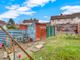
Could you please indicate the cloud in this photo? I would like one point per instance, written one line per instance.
(26, 8)
(44, 21)
(18, 8)
(46, 17)
(0, 18)
(9, 14)
(12, 7)
(15, 11)
(34, 3)
(23, 9)
(28, 13)
(70, 9)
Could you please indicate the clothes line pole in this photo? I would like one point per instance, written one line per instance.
(12, 40)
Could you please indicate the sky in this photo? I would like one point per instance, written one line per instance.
(42, 10)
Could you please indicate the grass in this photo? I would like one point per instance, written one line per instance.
(61, 47)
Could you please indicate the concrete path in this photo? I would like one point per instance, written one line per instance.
(2, 55)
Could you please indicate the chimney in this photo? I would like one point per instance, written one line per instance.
(61, 14)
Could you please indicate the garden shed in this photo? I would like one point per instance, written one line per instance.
(37, 31)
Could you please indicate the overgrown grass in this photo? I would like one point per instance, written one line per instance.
(67, 53)
(61, 47)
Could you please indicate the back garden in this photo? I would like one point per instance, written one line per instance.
(61, 47)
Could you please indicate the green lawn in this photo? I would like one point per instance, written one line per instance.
(61, 47)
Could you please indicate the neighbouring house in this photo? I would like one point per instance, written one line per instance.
(2, 23)
(26, 23)
(79, 28)
(66, 23)
(30, 21)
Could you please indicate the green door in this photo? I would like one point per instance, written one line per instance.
(50, 31)
(47, 31)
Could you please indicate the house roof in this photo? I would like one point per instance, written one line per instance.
(2, 22)
(71, 16)
(30, 21)
(41, 23)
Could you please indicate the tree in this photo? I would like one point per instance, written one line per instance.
(11, 24)
(11, 21)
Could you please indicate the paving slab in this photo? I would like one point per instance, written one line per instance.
(2, 55)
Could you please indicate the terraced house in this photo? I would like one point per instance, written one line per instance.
(2, 23)
(66, 23)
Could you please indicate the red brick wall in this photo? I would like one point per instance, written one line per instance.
(22, 27)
